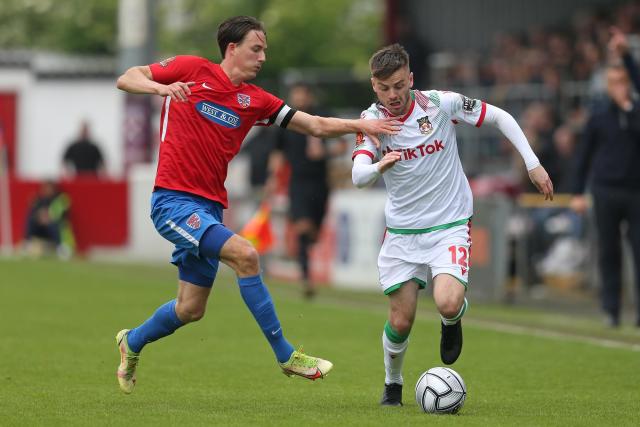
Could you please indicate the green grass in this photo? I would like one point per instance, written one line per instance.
(58, 358)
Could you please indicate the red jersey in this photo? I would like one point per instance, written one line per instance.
(199, 137)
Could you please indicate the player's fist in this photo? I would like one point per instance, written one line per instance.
(178, 91)
(388, 161)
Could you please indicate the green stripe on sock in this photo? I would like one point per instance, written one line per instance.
(393, 335)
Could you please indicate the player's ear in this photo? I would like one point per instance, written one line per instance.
(411, 79)
(373, 83)
(231, 49)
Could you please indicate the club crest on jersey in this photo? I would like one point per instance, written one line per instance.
(425, 125)
(194, 221)
(243, 100)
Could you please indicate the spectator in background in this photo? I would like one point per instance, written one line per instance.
(83, 156)
(47, 223)
(610, 155)
(308, 158)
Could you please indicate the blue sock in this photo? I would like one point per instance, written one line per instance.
(256, 296)
(162, 323)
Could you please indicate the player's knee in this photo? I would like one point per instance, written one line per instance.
(449, 307)
(190, 313)
(401, 324)
(248, 260)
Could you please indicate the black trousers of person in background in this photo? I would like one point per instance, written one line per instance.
(307, 201)
(612, 208)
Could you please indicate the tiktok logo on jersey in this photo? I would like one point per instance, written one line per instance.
(421, 150)
(218, 114)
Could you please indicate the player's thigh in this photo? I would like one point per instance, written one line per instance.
(182, 219)
(397, 265)
(447, 289)
(449, 255)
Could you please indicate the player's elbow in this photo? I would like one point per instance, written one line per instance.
(358, 182)
(121, 83)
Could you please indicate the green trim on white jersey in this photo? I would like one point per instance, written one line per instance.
(428, 229)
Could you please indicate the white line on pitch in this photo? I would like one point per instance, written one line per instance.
(527, 330)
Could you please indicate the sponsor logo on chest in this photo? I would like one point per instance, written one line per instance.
(420, 151)
(218, 114)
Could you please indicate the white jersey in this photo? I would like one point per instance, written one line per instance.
(427, 188)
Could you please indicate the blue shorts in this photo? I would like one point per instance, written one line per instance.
(183, 218)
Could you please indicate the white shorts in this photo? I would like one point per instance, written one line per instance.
(406, 257)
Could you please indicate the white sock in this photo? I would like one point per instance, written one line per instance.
(393, 359)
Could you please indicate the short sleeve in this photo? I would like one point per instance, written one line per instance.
(270, 107)
(460, 107)
(363, 144)
(175, 69)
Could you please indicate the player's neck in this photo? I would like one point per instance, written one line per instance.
(234, 75)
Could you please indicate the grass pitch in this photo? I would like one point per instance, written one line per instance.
(58, 358)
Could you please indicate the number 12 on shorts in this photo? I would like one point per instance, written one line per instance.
(461, 260)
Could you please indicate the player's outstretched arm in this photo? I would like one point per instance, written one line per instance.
(140, 80)
(511, 130)
(327, 127)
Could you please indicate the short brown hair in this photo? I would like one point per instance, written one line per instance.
(388, 60)
(234, 29)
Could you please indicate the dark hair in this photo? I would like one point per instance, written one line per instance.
(388, 60)
(234, 29)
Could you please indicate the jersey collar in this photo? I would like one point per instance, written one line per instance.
(387, 113)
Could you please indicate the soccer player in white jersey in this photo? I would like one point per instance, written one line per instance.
(429, 205)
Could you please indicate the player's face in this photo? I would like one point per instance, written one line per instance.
(249, 55)
(394, 91)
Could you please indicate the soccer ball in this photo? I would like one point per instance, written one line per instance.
(440, 391)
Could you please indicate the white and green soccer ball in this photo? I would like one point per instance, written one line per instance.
(440, 391)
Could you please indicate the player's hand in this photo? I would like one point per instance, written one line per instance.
(541, 180)
(388, 161)
(372, 128)
(579, 204)
(618, 42)
(178, 91)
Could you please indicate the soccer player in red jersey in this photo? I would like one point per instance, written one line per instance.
(208, 110)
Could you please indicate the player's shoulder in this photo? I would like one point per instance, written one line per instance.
(190, 59)
(256, 91)
(438, 97)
